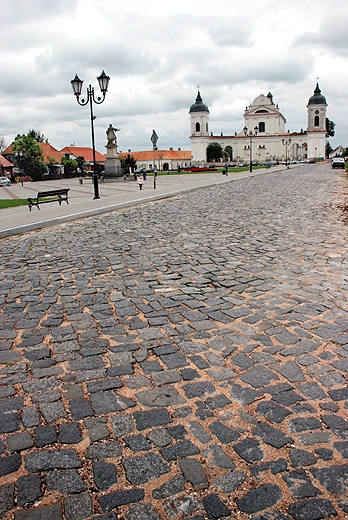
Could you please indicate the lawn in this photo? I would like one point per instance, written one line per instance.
(10, 203)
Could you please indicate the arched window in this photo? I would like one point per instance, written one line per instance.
(316, 121)
(262, 127)
(229, 152)
(198, 127)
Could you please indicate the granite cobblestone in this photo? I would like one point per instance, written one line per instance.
(194, 368)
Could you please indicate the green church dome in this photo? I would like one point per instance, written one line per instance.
(317, 98)
(199, 106)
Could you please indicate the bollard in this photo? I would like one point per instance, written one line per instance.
(80, 180)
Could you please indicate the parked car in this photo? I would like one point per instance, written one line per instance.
(338, 162)
(5, 181)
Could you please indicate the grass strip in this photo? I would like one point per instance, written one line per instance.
(11, 203)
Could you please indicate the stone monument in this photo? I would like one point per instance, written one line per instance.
(112, 164)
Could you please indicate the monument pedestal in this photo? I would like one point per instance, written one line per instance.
(113, 168)
(112, 164)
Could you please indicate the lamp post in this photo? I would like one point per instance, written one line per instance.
(76, 84)
(286, 142)
(251, 134)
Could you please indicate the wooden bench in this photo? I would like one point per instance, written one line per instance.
(49, 196)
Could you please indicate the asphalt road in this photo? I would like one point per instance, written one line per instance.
(180, 358)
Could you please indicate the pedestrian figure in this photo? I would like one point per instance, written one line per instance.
(140, 182)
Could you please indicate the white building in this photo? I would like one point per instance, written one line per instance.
(271, 142)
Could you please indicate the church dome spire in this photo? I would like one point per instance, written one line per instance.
(199, 106)
(317, 98)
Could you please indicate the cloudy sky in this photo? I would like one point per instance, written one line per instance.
(157, 52)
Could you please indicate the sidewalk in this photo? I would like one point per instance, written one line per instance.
(113, 195)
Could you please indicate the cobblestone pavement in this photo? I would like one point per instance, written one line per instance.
(184, 358)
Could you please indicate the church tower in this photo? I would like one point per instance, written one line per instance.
(199, 116)
(316, 130)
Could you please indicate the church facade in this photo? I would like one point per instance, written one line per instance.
(263, 137)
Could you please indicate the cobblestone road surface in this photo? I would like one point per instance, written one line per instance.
(185, 358)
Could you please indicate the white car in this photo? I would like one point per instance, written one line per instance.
(338, 162)
(5, 181)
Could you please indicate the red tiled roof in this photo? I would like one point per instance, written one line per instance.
(86, 153)
(48, 152)
(5, 163)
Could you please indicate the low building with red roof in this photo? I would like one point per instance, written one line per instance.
(49, 152)
(6, 167)
(164, 160)
(72, 152)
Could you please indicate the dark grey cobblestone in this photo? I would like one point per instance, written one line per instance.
(193, 473)
(65, 481)
(144, 468)
(192, 367)
(28, 489)
(179, 450)
(300, 485)
(214, 507)
(172, 487)
(314, 509)
(260, 498)
(119, 498)
(77, 507)
(6, 498)
(53, 512)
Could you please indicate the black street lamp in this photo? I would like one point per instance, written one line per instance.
(286, 142)
(76, 84)
(251, 134)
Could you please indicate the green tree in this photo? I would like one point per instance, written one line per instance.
(39, 138)
(81, 164)
(129, 162)
(330, 128)
(70, 166)
(214, 152)
(328, 149)
(28, 156)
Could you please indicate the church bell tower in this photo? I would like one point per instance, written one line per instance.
(199, 116)
(316, 130)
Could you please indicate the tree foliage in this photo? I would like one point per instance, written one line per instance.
(81, 164)
(70, 166)
(39, 138)
(28, 156)
(328, 149)
(214, 152)
(129, 162)
(330, 128)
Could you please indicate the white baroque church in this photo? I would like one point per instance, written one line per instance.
(263, 137)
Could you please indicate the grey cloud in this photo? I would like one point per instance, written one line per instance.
(331, 36)
(25, 11)
(230, 34)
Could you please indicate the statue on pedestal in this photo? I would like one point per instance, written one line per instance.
(112, 163)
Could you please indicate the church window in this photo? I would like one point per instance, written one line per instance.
(262, 111)
(198, 127)
(229, 152)
(262, 127)
(316, 121)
